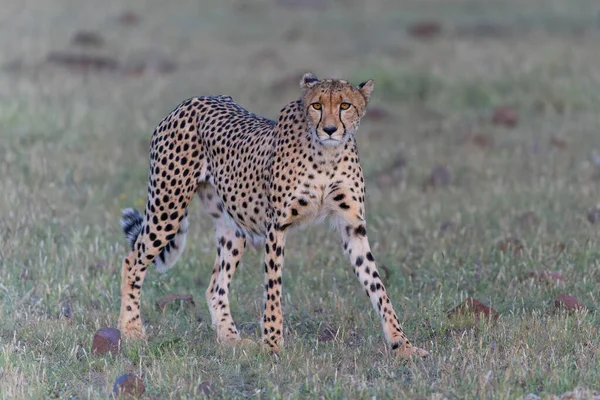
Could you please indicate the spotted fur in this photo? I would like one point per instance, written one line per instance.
(257, 179)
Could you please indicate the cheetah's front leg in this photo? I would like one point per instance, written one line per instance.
(356, 245)
(272, 322)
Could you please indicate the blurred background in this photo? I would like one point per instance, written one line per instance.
(481, 151)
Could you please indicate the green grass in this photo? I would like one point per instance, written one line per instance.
(73, 152)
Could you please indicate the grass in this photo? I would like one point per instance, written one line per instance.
(73, 152)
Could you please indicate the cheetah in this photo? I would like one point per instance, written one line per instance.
(257, 179)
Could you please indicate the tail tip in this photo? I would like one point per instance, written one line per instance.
(131, 222)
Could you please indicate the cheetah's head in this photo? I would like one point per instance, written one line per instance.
(334, 107)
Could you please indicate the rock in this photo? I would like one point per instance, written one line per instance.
(82, 62)
(568, 302)
(558, 143)
(167, 299)
(129, 18)
(87, 39)
(439, 177)
(129, 385)
(66, 310)
(594, 215)
(448, 227)
(326, 333)
(106, 340)
(505, 116)
(473, 307)
(425, 29)
(205, 388)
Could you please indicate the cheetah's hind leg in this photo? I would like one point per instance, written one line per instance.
(231, 244)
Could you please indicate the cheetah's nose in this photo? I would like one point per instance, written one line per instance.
(330, 130)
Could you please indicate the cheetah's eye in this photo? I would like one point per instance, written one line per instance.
(316, 106)
(345, 106)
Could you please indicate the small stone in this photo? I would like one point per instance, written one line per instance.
(473, 307)
(326, 333)
(594, 215)
(558, 143)
(568, 302)
(425, 29)
(439, 177)
(129, 18)
(106, 340)
(505, 116)
(82, 62)
(448, 227)
(129, 385)
(66, 310)
(87, 39)
(205, 388)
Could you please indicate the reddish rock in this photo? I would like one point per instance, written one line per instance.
(171, 297)
(425, 29)
(505, 116)
(106, 340)
(546, 276)
(568, 302)
(129, 18)
(475, 308)
(129, 385)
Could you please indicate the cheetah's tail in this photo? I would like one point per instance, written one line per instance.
(132, 223)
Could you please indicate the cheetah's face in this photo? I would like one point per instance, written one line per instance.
(334, 107)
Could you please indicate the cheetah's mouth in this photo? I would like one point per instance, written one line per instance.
(329, 141)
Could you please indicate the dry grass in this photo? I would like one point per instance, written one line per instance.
(73, 152)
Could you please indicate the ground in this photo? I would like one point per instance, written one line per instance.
(74, 151)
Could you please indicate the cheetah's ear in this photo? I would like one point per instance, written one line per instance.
(366, 88)
(308, 80)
